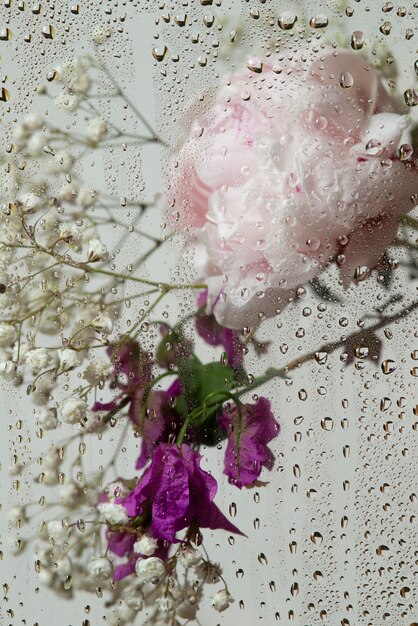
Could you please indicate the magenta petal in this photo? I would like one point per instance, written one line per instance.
(121, 543)
(178, 491)
(247, 452)
(124, 570)
(172, 497)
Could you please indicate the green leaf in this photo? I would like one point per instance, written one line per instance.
(199, 381)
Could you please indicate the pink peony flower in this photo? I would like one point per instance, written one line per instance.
(287, 171)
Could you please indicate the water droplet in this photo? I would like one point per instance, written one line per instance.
(385, 28)
(319, 21)
(411, 97)
(287, 21)
(255, 65)
(357, 40)
(388, 366)
(159, 53)
(361, 273)
(316, 538)
(346, 80)
(327, 423)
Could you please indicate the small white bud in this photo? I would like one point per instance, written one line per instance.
(86, 197)
(62, 567)
(113, 513)
(98, 371)
(57, 530)
(150, 570)
(188, 556)
(47, 418)
(146, 545)
(96, 129)
(17, 515)
(66, 102)
(97, 251)
(100, 568)
(69, 359)
(221, 600)
(103, 323)
(37, 359)
(73, 410)
(30, 202)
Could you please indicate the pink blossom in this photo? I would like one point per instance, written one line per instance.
(284, 172)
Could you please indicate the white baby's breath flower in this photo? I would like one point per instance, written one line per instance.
(57, 530)
(73, 410)
(103, 323)
(45, 576)
(92, 422)
(71, 233)
(100, 568)
(86, 197)
(66, 102)
(134, 598)
(62, 566)
(98, 371)
(70, 494)
(164, 604)
(120, 616)
(17, 515)
(150, 570)
(146, 545)
(74, 76)
(47, 418)
(113, 513)
(7, 335)
(32, 122)
(52, 459)
(7, 369)
(36, 144)
(221, 600)
(97, 251)
(69, 359)
(68, 192)
(188, 556)
(30, 202)
(49, 477)
(96, 129)
(62, 163)
(37, 358)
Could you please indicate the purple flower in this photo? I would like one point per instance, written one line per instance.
(132, 373)
(121, 543)
(216, 335)
(177, 492)
(249, 432)
(161, 421)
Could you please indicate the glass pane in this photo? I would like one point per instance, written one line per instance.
(208, 264)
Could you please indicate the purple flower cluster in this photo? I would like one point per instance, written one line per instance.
(174, 493)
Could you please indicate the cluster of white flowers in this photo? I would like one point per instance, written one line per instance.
(54, 311)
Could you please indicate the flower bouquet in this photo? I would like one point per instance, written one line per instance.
(291, 184)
